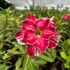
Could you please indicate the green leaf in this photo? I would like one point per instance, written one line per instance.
(20, 69)
(69, 57)
(48, 54)
(18, 63)
(13, 52)
(69, 42)
(19, 47)
(6, 56)
(40, 62)
(2, 18)
(26, 62)
(66, 65)
(30, 66)
(53, 53)
(64, 23)
(3, 67)
(63, 55)
(49, 59)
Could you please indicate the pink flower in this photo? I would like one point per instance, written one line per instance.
(65, 17)
(38, 34)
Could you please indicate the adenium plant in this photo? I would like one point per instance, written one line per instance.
(38, 34)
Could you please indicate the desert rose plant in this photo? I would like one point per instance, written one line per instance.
(38, 34)
(37, 39)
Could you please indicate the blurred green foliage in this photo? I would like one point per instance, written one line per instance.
(13, 55)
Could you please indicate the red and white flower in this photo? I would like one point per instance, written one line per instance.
(38, 34)
(65, 17)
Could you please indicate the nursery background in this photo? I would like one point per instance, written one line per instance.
(13, 55)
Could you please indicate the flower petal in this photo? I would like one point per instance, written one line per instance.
(45, 18)
(51, 27)
(29, 37)
(31, 17)
(30, 50)
(20, 36)
(41, 44)
(20, 41)
(41, 24)
(53, 41)
(37, 51)
(28, 25)
(54, 24)
(52, 18)
(47, 33)
(39, 20)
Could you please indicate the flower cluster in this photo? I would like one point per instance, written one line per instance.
(38, 34)
(65, 17)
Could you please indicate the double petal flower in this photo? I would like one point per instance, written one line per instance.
(38, 34)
